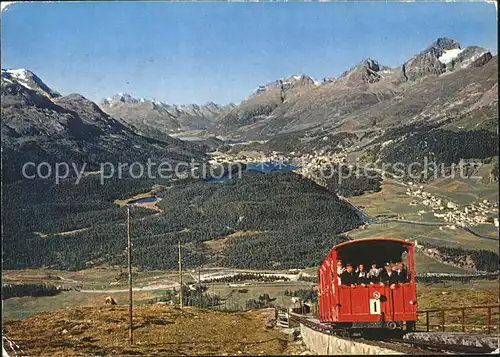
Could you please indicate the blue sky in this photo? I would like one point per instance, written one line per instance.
(198, 52)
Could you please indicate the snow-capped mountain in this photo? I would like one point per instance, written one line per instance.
(29, 80)
(443, 55)
(40, 125)
(151, 114)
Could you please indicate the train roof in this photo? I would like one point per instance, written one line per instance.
(357, 241)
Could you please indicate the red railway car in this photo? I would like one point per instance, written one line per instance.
(373, 305)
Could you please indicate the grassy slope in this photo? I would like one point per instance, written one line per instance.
(429, 297)
(391, 200)
(159, 330)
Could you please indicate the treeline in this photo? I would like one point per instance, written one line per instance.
(414, 144)
(428, 279)
(303, 294)
(264, 301)
(348, 181)
(286, 249)
(299, 221)
(311, 279)
(196, 297)
(294, 142)
(483, 260)
(35, 290)
(214, 301)
(246, 276)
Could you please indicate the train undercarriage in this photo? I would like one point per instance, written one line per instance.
(372, 330)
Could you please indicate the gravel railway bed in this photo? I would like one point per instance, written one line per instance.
(395, 344)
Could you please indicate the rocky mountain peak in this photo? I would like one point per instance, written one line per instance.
(190, 106)
(211, 105)
(122, 97)
(366, 71)
(444, 49)
(296, 81)
(445, 44)
(371, 64)
(444, 55)
(29, 80)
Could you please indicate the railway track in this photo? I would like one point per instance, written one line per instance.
(442, 347)
(404, 345)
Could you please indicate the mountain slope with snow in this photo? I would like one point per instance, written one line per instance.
(39, 128)
(29, 80)
(153, 117)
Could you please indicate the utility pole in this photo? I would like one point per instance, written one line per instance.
(129, 246)
(181, 303)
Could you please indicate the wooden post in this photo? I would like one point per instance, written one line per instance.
(427, 320)
(442, 320)
(129, 251)
(181, 302)
(463, 319)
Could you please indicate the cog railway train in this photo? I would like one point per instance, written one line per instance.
(369, 306)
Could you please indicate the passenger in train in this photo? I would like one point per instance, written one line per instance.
(348, 276)
(401, 273)
(373, 274)
(340, 270)
(388, 276)
(394, 266)
(361, 275)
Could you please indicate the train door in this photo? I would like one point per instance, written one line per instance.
(392, 306)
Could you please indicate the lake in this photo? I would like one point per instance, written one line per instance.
(151, 199)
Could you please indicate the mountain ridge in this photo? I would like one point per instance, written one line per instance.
(72, 129)
(366, 84)
(151, 114)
